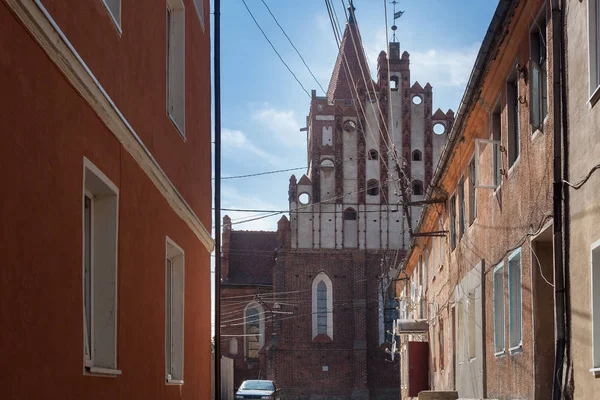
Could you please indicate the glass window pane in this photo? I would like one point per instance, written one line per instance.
(87, 218)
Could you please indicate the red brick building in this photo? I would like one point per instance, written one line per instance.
(248, 258)
(105, 158)
(330, 310)
(482, 262)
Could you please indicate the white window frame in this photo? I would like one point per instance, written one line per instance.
(499, 348)
(100, 357)
(174, 342)
(261, 327)
(116, 19)
(199, 4)
(541, 70)
(513, 345)
(595, 306)
(513, 79)
(472, 190)
(471, 325)
(175, 51)
(496, 147)
(460, 332)
(593, 49)
(322, 276)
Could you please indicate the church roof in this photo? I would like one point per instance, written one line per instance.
(252, 257)
(351, 58)
(439, 114)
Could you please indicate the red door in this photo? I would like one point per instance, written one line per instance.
(418, 368)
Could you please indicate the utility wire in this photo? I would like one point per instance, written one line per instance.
(299, 212)
(290, 40)
(275, 50)
(261, 173)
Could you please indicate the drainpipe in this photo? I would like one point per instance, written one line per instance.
(217, 86)
(559, 283)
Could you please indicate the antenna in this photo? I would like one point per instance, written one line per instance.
(397, 14)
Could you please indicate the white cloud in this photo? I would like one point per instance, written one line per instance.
(234, 140)
(444, 67)
(284, 124)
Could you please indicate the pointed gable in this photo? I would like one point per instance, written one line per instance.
(439, 114)
(351, 59)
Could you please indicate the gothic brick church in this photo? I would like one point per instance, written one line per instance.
(307, 305)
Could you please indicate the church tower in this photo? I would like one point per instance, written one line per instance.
(371, 146)
(358, 137)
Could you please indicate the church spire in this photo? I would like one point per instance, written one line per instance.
(351, 10)
(351, 68)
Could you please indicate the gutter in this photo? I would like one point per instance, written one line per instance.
(560, 292)
(469, 99)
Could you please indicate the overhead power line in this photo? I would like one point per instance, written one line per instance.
(297, 212)
(298, 52)
(261, 173)
(275, 50)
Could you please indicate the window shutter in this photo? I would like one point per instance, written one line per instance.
(535, 107)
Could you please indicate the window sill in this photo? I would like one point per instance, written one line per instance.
(594, 97)
(103, 371)
(595, 371)
(179, 130)
(174, 382)
(516, 350)
(500, 354)
(114, 20)
(511, 170)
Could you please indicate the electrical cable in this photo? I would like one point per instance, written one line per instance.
(261, 173)
(275, 50)
(582, 182)
(297, 51)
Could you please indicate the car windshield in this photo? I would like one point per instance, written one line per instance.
(257, 385)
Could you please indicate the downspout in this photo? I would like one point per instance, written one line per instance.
(217, 88)
(559, 286)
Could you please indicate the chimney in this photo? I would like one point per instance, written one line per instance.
(225, 248)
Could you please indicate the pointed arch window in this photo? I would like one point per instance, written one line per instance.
(394, 83)
(417, 188)
(254, 329)
(373, 154)
(417, 156)
(322, 306)
(373, 187)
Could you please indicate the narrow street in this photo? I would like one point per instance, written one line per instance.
(315, 200)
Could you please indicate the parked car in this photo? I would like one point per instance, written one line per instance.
(256, 389)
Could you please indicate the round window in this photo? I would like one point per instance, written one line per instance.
(439, 128)
(304, 198)
(417, 100)
(350, 126)
(327, 164)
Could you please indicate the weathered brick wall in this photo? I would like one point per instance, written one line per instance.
(354, 363)
(234, 300)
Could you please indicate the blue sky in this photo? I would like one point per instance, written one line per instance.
(263, 107)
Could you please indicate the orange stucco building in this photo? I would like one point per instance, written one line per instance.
(105, 156)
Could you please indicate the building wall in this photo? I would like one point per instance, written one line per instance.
(48, 129)
(234, 300)
(354, 359)
(583, 152)
(507, 218)
(132, 70)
